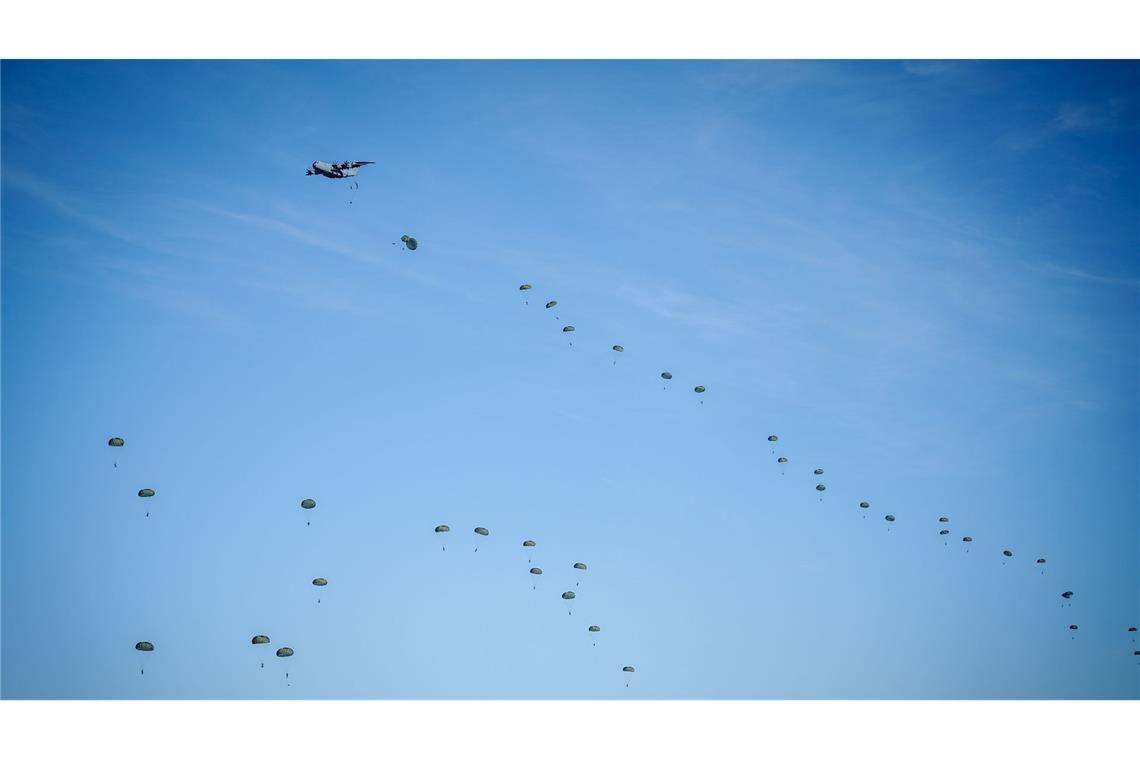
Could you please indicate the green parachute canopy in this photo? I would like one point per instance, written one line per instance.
(967, 539)
(821, 487)
(699, 389)
(818, 471)
(524, 286)
(1067, 595)
(666, 375)
(442, 529)
(943, 519)
(536, 571)
(864, 505)
(889, 518)
(773, 438)
(1132, 629)
(568, 328)
(146, 492)
(1073, 628)
(1041, 561)
(409, 241)
(782, 460)
(551, 304)
(308, 504)
(116, 442)
(260, 640)
(594, 629)
(627, 669)
(568, 594)
(320, 582)
(483, 531)
(1007, 552)
(144, 646)
(528, 543)
(579, 566)
(619, 349)
(943, 532)
(285, 652)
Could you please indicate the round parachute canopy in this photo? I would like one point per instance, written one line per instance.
(773, 438)
(666, 375)
(627, 669)
(1007, 552)
(536, 571)
(568, 328)
(483, 531)
(782, 460)
(967, 539)
(284, 652)
(864, 505)
(943, 519)
(116, 442)
(1132, 629)
(442, 529)
(1073, 628)
(619, 349)
(551, 304)
(1067, 595)
(579, 566)
(260, 640)
(594, 629)
(1137, 653)
(409, 241)
(568, 594)
(320, 582)
(889, 518)
(1041, 561)
(308, 504)
(699, 389)
(524, 286)
(821, 487)
(943, 532)
(529, 543)
(144, 646)
(146, 492)
(818, 471)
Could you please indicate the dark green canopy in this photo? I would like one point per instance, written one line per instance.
(524, 286)
(568, 328)
(320, 582)
(568, 594)
(1067, 594)
(284, 652)
(551, 304)
(144, 646)
(1007, 552)
(619, 349)
(529, 543)
(889, 518)
(818, 471)
(1072, 628)
(699, 389)
(483, 531)
(943, 519)
(409, 241)
(594, 629)
(943, 532)
(260, 640)
(967, 539)
(442, 529)
(773, 438)
(864, 505)
(666, 375)
(536, 571)
(627, 669)
(782, 460)
(821, 487)
(1132, 629)
(146, 492)
(579, 566)
(308, 504)
(116, 442)
(1041, 561)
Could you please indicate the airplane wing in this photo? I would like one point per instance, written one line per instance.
(353, 164)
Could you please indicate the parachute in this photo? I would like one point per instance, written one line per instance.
(1132, 629)
(524, 286)
(1041, 561)
(1067, 595)
(551, 304)
(1073, 628)
(666, 375)
(116, 442)
(568, 595)
(594, 629)
(442, 529)
(260, 640)
(536, 571)
(410, 242)
(528, 543)
(628, 669)
(1007, 552)
(308, 504)
(889, 518)
(699, 389)
(821, 487)
(483, 531)
(818, 471)
(320, 582)
(144, 646)
(579, 566)
(967, 539)
(619, 349)
(944, 519)
(782, 460)
(568, 328)
(773, 438)
(943, 532)
(284, 652)
(146, 492)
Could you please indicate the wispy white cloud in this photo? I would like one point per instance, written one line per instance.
(51, 196)
(1078, 274)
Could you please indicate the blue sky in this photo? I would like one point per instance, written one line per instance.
(921, 275)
